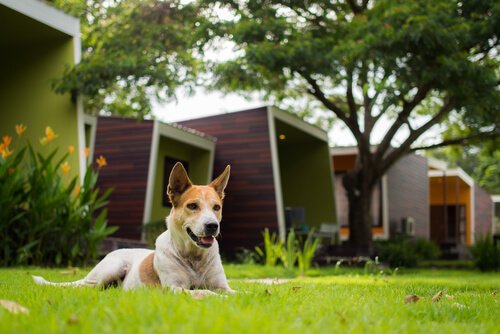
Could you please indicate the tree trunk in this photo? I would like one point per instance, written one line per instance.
(359, 187)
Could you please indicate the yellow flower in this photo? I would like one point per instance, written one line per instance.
(43, 141)
(71, 149)
(20, 128)
(86, 151)
(101, 161)
(6, 153)
(65, 167)
(50, 134)
(6, 141)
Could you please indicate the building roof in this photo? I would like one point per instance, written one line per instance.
(45, 14)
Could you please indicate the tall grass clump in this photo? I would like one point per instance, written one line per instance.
(46, 216)
(294, 252)
(486, 254)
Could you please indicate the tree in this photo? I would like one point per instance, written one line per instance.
(416, 63)
(132, 51)
(482, 163)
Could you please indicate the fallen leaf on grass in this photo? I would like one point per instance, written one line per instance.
(268, 292)
(412, 299)
(437, 296)
(296, 288)
(13, 307)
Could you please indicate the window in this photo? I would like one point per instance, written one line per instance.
(169, 163)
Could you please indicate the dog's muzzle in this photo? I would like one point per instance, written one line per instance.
(205, 241)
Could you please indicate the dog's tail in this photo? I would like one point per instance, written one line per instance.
(42, 281)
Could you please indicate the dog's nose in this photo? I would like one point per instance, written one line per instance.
(211, 228)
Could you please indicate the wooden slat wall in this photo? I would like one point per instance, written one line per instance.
(250, 204)
(126, 145)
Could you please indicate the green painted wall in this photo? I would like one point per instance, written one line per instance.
(306, 178)
(199, 162)
(26, 96)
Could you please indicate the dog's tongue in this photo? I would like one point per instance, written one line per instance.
(207, 240)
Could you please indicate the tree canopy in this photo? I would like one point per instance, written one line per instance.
(412, 64)
(133, 51)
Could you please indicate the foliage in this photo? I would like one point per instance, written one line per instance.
(305, 254)
(290, 251)
(133, 51)
(293, 251)
(486, 253)
(47, 218)
(411, 64)
(406, 252)
(273, 248)
(481, 162)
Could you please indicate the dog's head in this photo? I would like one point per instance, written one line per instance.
(196, 210)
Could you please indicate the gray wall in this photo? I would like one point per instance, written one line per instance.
(408, 194)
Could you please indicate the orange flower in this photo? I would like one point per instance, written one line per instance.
(101, 161)
(65, 167)
(86, 151)
(2, 147)
(71, 149)
(6, 153)
(78, 190)
(20, 128)
(6, 141)
(50, 134)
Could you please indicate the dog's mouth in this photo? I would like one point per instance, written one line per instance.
(203, 242)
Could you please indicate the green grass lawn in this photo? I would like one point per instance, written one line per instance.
(350, 302)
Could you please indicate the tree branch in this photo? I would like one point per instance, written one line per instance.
(339, 112)
(465, 140)
(356, 8)
(404, 148)
(400, 120)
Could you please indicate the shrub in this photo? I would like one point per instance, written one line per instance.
(406, 252)
(486, 254)
(46, 217)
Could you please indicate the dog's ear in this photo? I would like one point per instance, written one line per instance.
(178, 183)
(220, 183)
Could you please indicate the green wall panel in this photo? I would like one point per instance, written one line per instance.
(306, 178)
(26, 96)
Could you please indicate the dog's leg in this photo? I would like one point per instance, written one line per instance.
(111, 269)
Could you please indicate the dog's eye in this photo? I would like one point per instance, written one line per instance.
(216, 207)
(193, 206)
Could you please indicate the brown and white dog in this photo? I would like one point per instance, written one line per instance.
(186, 256)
